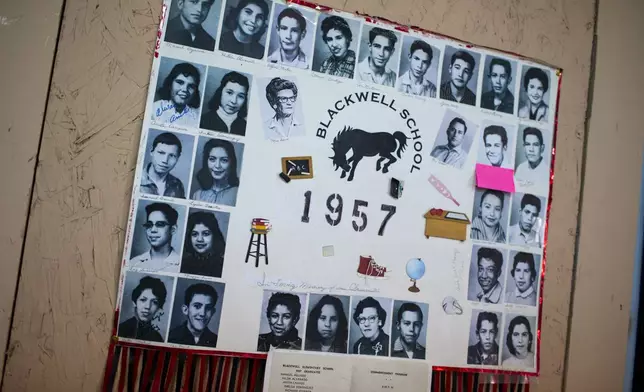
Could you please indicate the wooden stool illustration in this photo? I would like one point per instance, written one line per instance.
(259, 227)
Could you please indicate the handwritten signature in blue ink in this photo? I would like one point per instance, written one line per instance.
(174, 117)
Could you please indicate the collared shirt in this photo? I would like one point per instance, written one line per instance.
(173, 186)
(506, 105)
(226, 196)
(398, 350)
(182, 335)
(491, 297)
(275, 131)
(469, 98)
(540, 173)
(343, 67)
(518, 237)
(299, 61)
(388, 78)
(134, 329)
(477, 356)
(455, 156)
(145, 261)
(541, 114)
(163, 111)
(177, 33)
(424, 89)
(478, 231)
(528, 297)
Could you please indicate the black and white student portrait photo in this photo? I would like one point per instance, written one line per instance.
(291, 37)
(370, 321)
(281, 313)
(418, 67)
(498, 85)
(527, 220)
(158, 232)
(483, 343)
(486, 270)
(379, 52)
(141, 314)
(281, 109)
(226, 101)
(244, 27)
(454, 139)
(205, 244)
(335, 46)
(523, 277)
(166, 166)
(460, 75)
(193, 23)
(520, 342)
(409, 331)
(533, 152)
(178, 95)
(533, 103)
(493, 145)
(196, 312)
(327, 328)
(490, 214)
(217, 170)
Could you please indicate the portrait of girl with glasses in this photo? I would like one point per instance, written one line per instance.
(281, 110)
(370, 317)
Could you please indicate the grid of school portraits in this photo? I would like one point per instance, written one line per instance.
(524, 148)
(338, 324)
(345, 47)
(504, 290)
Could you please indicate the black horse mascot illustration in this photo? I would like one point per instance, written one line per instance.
(365, 144)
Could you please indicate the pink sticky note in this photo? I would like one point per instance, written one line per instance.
(497, 178)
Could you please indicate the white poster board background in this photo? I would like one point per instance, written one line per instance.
(325, 105)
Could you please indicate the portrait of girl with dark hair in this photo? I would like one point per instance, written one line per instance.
(178, 98)
(228, 106)
(204, 246)
(217, 178)
(282, 315)
(535, 86)
(518, 342)
(148, 298)
(327, 329)
(245, 24)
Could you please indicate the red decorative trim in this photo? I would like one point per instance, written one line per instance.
(202, 373)
(110, 362)
(135, 365)
(171, 371)
(156, 383)
(253, 375)
(123, 370)
(242, 371)
(225, 380)
(187, 371)
(147, 367)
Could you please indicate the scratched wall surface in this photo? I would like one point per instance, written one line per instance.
(69, 279)
(22, 108)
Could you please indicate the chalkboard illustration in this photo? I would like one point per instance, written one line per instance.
(297, 168)
(415, 270)
(365, 144)
(368, 268)
(259, 227)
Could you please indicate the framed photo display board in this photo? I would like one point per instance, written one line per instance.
(306, 181)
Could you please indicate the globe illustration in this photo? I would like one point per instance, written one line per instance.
(415, 270)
